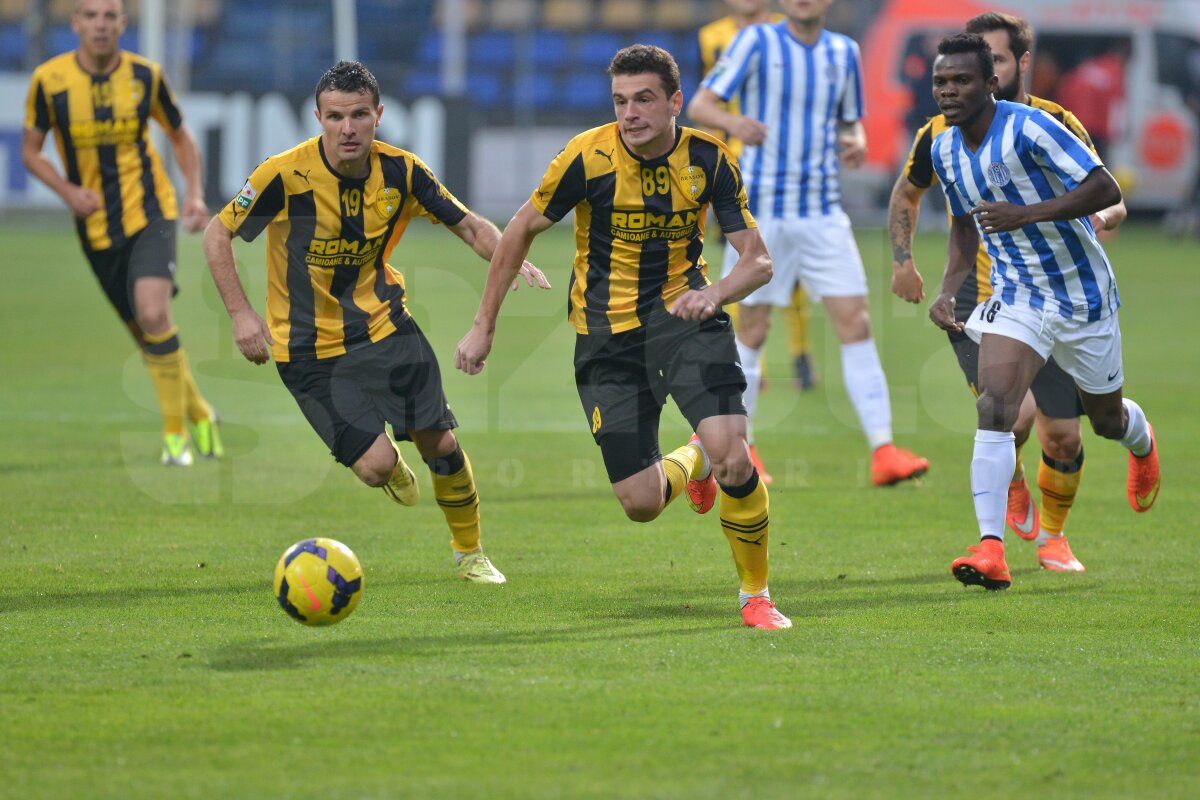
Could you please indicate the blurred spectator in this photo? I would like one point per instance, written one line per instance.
(1095, 90)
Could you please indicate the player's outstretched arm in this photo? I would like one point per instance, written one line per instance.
(904, 209)
(482, 236)
(960, 260)
(507, 261)
(706, 109)
(187, 153)
(1097, 192)
(250, 332)
(82, 201)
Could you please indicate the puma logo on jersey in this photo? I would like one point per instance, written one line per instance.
(300, 174)
(607, 155)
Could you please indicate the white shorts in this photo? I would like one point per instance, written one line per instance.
(818, 252)
(1090, 352)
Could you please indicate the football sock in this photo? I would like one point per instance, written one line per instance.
(681, 466)
(165, 361)
(991, 469)
(750, 357)
(744, 597)
(454, 490)
(197, 407)
(1058, 482)
(798, 315)
(745, 522)
(865, 383)
(1137, 434)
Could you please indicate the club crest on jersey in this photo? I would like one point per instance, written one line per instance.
(998, 174)
(246, 196)
(388, 200)
(693, 180)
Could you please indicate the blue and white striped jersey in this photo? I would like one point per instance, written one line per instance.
(800, 93)
(1027, 157)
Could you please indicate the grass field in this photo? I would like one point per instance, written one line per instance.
(143, 655)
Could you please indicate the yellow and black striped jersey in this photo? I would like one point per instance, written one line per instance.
(918, 169)
(639, 224)
(329, 286)
(101, 126)
(715, 38)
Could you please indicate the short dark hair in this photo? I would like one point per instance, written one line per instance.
(970, 43)
(350, 77)
(639, 59)
(1020, 34)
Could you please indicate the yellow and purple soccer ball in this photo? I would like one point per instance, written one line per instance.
(318, 581)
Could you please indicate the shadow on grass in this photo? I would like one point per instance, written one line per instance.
(124, 595)
(255, 656)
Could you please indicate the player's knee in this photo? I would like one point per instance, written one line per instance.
(153, 320)
(372, 470)
(734, 469)
(996, 412)
(1109, 424)
(1062, 445)
(638, 510)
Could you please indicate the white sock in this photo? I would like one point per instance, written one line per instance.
(1137, 435)
(744, 597)
(458, 557)
(865, 383)
(992, 466)
(1045, 536)
(750, 358)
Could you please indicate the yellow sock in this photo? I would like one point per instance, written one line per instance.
(1059, 482)
(165, 362)
(746, 523)
(681, 466)
(456, 495)
(197, 407)
(1019, 470)
(798, 315)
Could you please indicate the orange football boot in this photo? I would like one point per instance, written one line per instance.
(984, 567)
(1144, 481)
(759, 612)
(1022, 514)
(891, 464)
(702, 492)
(1056, 555)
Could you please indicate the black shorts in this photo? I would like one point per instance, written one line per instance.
(348, 399)
(1053, 389)
(149, 253)
(623, 381)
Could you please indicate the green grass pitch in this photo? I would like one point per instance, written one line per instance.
(143, 655)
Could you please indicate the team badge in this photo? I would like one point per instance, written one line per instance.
(246, 196)
(694, 180)
(596, 421)
(388, 200)
(831, 72)
(998, 174)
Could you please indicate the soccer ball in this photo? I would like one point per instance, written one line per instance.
(318, 581)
